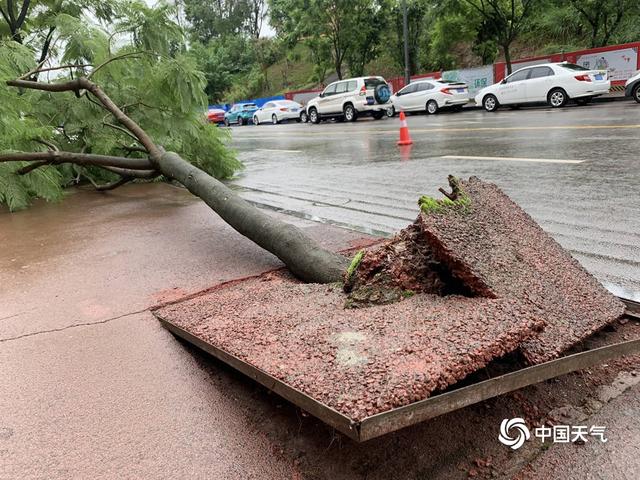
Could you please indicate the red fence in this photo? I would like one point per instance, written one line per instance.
(621, 61)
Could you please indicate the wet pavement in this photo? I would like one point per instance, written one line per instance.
(93, 387)
(575, 170)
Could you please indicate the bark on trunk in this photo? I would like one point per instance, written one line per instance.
(305, 258)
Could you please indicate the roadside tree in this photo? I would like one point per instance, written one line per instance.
(116, 109)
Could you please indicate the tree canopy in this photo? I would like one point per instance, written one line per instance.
(139, 57)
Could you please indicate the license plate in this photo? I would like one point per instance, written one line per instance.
(598, 77)
(370, 101)
(295, 109)
(461, 90)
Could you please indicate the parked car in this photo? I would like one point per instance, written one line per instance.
(278, 111)
(240, 113)
(431, 96)
(215, 115)
(350, 98)
(553, 83)
(632, 87)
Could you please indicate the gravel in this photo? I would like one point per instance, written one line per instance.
(522, 290)
(357, 361)
(499, 251)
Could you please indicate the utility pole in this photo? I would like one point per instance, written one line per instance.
(405, 32)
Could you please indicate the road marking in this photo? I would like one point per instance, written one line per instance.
(436, 130)
(511, 159)
(276, 150)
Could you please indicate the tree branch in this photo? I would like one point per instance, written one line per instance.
(50, 69)
(6, 18)
(83, 84)
(113, 59)
(23, 13)
(123, 130)
(52, 146)
(31, 167)
(55, 158)
(70, 86)
(111, 185)
(127, 172)
(46, 45)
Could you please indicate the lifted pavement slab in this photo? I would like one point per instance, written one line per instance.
(497, 250)
(359, 362)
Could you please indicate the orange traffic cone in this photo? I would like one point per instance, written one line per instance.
(405, 138)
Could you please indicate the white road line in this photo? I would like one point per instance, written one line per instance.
(511, 159)
(276, 150)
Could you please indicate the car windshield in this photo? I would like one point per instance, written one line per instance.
(373, 82)
(573, 66)
(249, 106)
(451, 82)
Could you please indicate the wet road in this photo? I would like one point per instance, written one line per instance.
(575, 170)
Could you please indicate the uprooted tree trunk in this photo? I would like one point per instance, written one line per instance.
(303, 256)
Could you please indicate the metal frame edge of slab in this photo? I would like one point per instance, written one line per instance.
(401, 417)
(392, 420)
(318, 409)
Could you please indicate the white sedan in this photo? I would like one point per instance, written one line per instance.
(553, 83)
(430, 96)
(277, 111)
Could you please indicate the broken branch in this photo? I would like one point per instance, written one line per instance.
(55, 158)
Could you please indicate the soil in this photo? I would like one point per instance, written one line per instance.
(399, 268)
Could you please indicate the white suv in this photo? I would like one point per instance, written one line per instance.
(351, 98)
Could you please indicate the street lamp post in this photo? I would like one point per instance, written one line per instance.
(405, 32)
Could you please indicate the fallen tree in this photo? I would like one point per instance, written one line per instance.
(302, 255)
(116, 109)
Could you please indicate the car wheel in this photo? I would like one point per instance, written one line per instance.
(274, 119)
(432, 107)
(226, 122)
(350, 113)
(255, 120)
(240, 121)
(304, 118)
(378, 115)
(583, 100)
(557, 98)
(636, 93)
(490, 103)
(391, 112)
(313, 116)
